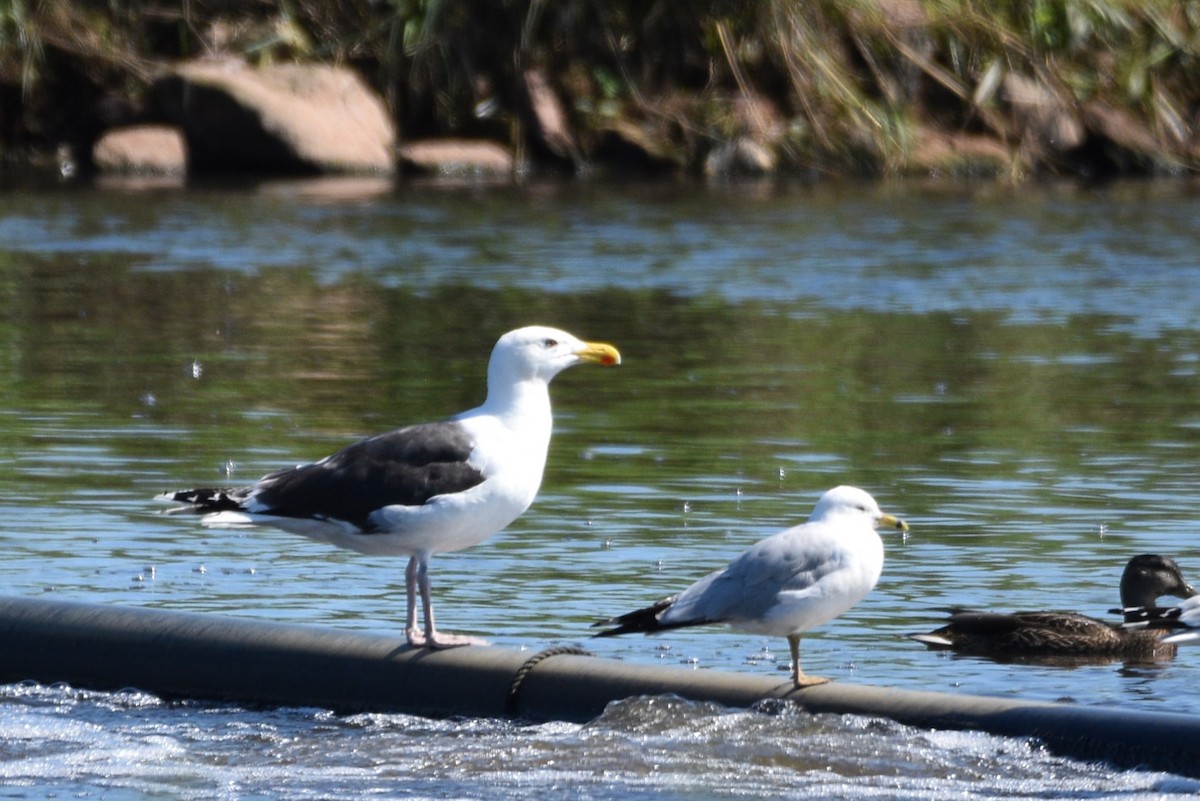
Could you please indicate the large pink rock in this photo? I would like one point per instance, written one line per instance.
(457, 158)
(289, 118)
(141, 150)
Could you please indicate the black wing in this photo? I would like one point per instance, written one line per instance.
(405, 467)
(639, 620)
(646, 620)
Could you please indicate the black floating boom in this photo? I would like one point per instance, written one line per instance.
(178, 655)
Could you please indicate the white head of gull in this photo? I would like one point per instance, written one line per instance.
(428, 488)
(786, 584)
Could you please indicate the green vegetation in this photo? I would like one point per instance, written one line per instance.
(874, 87)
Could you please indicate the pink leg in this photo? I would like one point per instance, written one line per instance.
(414, 635)
(418, 570)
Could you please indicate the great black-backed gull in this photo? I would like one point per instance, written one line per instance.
(423, 489)
(786, 584)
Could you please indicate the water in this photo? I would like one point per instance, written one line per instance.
(1012, 371)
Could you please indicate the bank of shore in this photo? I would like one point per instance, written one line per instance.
(858, 87)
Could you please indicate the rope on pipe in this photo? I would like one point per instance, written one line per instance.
(512, 705)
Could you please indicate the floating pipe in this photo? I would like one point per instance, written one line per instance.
(184, 655)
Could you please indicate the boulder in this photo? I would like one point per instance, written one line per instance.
(741, 157)
(1046, 119)
(551, 131)
(1124, 130)
(938, 152)
(456, 158)
(141, 150)
(625, 145)
(286, 118)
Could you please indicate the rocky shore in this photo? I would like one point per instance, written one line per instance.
(876, 88)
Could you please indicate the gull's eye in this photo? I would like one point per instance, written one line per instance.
(550, 343)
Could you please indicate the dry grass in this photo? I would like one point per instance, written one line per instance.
(834, 85)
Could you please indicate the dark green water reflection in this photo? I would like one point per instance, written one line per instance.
(704, 379)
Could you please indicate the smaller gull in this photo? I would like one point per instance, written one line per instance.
(1068, 634)
(786, 584)
(423, 489)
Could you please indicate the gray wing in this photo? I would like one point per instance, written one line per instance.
(751, 583)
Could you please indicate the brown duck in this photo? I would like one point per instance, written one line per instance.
(1068, 634)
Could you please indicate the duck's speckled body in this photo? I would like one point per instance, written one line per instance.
(1051, 633)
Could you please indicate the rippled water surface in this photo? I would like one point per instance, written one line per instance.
(1012, 371)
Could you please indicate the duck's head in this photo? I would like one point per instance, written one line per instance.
(1150, 576)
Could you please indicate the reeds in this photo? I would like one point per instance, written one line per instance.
(858, 86)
